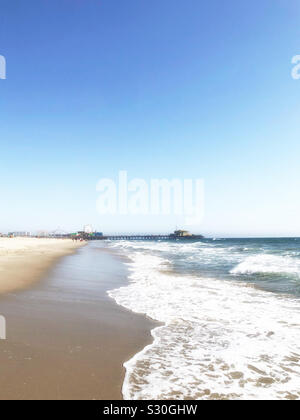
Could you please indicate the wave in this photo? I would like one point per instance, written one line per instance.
(220, 340)
(265, 263)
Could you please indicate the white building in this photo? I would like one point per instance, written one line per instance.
(20, 234)
(88, 229)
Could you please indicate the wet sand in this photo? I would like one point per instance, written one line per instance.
(66, 339)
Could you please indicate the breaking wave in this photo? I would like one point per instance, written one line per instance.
(219, 339)
(266, 263)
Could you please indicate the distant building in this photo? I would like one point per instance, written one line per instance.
(98, 234)
(88, 229)
(90, 236)
(43, 234)
(19, 234)
(182, 233)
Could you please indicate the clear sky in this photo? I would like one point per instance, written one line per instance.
(160, 88)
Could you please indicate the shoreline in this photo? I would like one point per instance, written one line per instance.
(23, 261)
(66, 338)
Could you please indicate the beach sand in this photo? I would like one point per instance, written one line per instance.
(24, 260)
(66, 339)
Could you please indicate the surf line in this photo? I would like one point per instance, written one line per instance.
(2, 328)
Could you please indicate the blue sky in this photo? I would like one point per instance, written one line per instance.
(162, 89)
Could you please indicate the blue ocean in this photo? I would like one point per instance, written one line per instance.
(228, 313)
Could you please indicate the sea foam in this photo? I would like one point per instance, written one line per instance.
(266, 263)
(219, 339)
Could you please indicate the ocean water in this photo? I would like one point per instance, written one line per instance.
(230, 318)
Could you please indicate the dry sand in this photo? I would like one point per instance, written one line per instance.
(24, 260)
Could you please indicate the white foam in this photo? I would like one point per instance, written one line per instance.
(267, 263)
(219, 339)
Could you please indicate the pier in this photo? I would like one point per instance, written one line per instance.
(177, 235)
(137, 238)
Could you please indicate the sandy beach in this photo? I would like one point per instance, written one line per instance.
(66, 338)
(24, 260)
